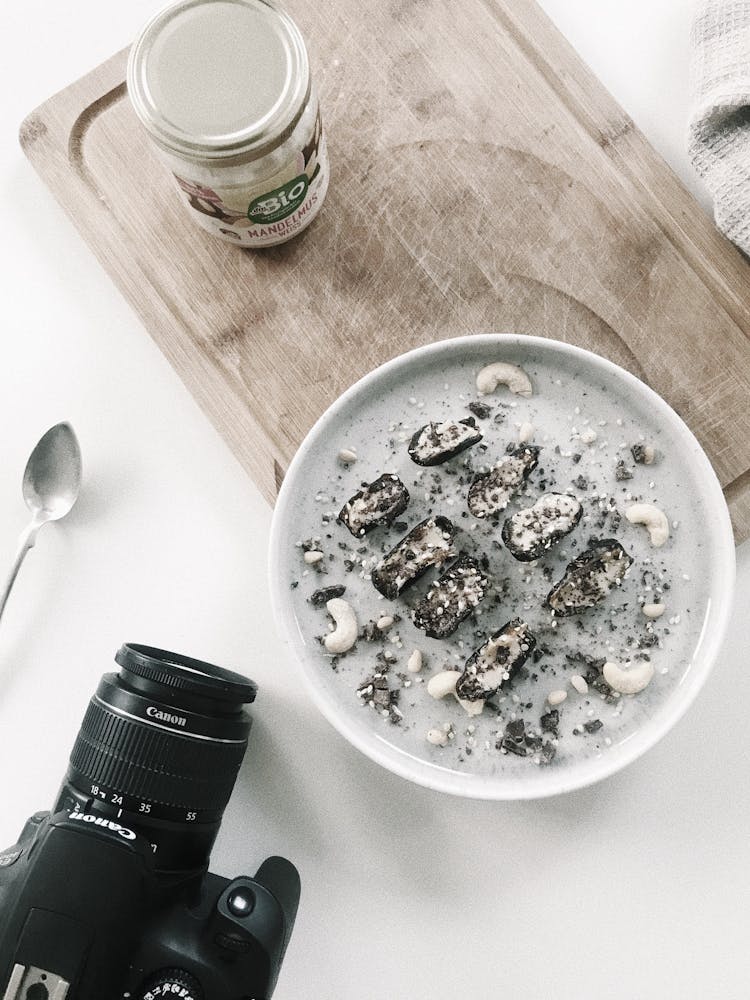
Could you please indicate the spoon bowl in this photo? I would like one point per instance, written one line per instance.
(52, 478)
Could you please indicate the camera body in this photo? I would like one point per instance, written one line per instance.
(189, 939)
(108, 895)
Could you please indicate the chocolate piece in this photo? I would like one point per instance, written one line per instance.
(547, 754)
(451, 599)
(495, 662)
(479, 409)
(550, 721)
(589, 578)
(529, 533)
(370, 632)
(377, 693)
(435, 443)
(514, 740)
(490, 492)
(622, 472)
(321, 597)
(380, 502)
(428, 544)
(534, 742)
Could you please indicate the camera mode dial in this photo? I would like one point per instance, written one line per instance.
(173, 983)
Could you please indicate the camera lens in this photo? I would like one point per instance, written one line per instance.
(161, 744)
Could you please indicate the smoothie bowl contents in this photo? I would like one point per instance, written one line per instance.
(224, 89)
(517, 578)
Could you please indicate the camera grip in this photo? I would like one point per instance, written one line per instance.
(282, 879)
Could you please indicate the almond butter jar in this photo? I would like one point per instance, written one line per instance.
(224, 89)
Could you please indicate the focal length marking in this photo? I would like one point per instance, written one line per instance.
(142, 808)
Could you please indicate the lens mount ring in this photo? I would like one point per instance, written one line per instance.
(184, 673)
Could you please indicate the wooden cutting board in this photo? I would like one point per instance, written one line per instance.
(482, 179)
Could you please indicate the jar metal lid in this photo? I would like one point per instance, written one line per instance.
(218, 78)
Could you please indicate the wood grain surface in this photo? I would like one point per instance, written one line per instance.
(482, 179)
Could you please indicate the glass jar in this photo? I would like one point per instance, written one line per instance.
(224, 89)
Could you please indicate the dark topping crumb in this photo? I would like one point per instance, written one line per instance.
(514, 740)
(591, 669)
(321, 597)
(550, 722)
(480, 410)
(622, 472)
(377, 693)
(370, 632)
(547, 754)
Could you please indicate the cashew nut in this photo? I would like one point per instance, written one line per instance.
(344, 635)
(628, 681)
(444, 683)
(653, 610)
(652, 518)
(502, 373)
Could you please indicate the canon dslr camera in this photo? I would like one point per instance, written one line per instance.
(108, 896)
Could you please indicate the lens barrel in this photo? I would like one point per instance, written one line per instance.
(163, 740)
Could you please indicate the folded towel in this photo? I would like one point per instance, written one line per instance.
(719, 134)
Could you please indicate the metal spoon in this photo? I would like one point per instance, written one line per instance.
(51, 482)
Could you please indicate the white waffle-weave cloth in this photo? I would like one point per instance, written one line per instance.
(719, 131)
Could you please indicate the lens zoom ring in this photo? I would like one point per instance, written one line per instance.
(150, 764)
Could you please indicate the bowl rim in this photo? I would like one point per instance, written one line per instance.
(420, 771)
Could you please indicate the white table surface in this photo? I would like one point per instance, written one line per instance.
(636, 888)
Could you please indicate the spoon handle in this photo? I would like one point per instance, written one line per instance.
(26, 541)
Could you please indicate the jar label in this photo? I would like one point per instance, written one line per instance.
(280, 202)
(257, 214)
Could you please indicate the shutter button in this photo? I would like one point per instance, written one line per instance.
(240, 902)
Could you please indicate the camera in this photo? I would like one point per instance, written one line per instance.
(108, 895)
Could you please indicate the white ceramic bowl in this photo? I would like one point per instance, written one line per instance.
(574, 390)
